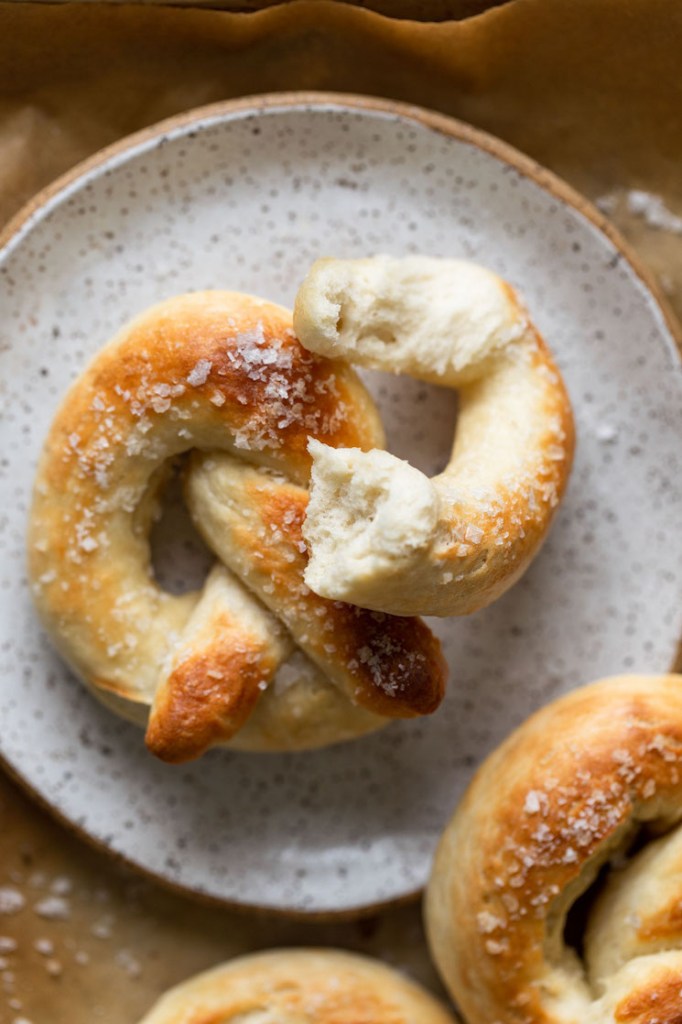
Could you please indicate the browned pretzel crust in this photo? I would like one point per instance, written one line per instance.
(563, 796)
(220, 372)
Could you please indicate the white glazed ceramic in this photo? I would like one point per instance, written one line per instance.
(244, 196)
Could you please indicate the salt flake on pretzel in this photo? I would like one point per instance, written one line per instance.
(380, 533)
(220, 373)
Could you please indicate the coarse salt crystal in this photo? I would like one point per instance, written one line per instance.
(473, 533)
(488, 922)
(532, 803)
(198, 375)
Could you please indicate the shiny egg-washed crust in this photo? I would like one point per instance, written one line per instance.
(299, 986)
(217, 372)
(467, 535)
(589, 777)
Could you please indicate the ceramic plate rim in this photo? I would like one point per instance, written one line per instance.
(254, 105)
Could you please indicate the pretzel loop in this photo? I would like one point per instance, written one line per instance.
(381, 534)
(299, 986)
(584, 786)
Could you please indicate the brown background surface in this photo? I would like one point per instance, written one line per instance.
(590, 88)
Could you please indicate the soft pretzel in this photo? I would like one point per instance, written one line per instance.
(299, 986)
(569, 794)
(380, 533)
(222, 373)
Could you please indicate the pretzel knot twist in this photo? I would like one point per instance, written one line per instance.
(255, 659)
(575, 791)
(381, 534)
(299, 986)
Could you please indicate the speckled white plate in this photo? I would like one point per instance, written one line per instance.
(245, 196)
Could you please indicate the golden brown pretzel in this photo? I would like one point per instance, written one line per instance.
(564, 797)
(299, 986)
(222, 373)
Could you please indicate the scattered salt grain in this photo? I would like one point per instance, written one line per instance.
(126, 960)
(607, 203)
(102, 929)
(44, 946)
(7, 944)
(53, 908)
(653, 211)
(54, 968)
(11, 900)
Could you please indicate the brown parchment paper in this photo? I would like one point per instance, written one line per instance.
(590, 88)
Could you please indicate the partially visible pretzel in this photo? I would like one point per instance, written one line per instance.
(380, 533)
(299, 986)
(565, 796)
(218, 372)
